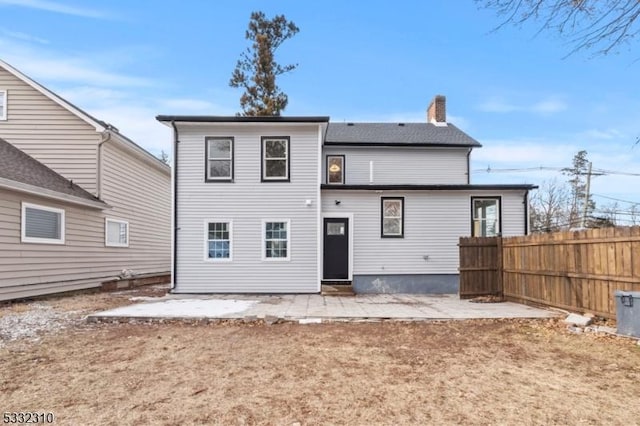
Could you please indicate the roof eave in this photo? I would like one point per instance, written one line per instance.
(240, 119)
(444, 187)
(97, 124)
(50, 194)
(405, 144)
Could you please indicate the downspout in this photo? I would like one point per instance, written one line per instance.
(106, 136)
(469, 166)
(175, 205)
(526, 212)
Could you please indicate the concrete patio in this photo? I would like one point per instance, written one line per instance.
(318, 308)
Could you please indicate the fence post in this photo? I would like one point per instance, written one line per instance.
(499, 268)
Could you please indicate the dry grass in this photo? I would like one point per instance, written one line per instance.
(471, 372)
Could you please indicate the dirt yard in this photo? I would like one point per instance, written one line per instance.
(469, 372)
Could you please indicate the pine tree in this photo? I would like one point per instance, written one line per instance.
(257, 69)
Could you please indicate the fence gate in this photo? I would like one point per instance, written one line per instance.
(480, 266)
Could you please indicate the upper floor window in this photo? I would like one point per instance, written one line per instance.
(335, 169)
(486, 216)
(275, 158)
(42, 224)
(392, 225)
(219, 159)
(3, 104)
(116, 233)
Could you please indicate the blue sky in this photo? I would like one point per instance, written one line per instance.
(127, 61)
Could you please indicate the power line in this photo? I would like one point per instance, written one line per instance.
(615, 199)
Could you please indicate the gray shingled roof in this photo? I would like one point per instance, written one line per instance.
(17, 166)
(397, 134)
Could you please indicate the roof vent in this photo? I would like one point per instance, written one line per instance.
(401, 124)
(349, 124)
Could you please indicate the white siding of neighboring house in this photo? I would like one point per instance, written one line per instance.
(401, 165)
(49, 133)
(247, 202)
(434, 222)
(139, 193)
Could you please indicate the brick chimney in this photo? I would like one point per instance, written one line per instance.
(437, 111)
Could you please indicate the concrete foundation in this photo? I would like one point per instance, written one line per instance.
(409, 284)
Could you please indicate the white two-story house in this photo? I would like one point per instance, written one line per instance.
(284, 204)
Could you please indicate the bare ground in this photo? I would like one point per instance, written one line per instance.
(470, 372)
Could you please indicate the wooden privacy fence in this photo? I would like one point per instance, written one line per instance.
(577, 270)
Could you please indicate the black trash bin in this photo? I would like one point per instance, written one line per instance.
(628, 312)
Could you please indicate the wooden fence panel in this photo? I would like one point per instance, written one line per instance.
(577, 270)
(480, 266)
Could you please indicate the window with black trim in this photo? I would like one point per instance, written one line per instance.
(392, 217)
(275, 158)
(219, 159)
(335, 169)
(3, 104)
(485, 216)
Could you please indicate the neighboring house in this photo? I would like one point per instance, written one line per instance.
(283, 204)
(79, 201)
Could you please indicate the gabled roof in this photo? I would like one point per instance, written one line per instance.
(398, 134)
(29, 174)
(99, 125)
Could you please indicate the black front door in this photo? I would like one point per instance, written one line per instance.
(336, 248)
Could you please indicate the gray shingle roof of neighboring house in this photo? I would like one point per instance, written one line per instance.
(397, 134)
(18, 166)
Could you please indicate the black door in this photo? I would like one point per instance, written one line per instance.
(336, 248)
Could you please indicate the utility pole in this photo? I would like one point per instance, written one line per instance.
(583, 224)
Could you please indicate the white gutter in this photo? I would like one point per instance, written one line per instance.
(54, 195)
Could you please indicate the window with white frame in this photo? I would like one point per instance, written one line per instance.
(219, 158)
(3, 104)
(41, 224)
(218, 241)
(392, 219)
(116, 233)
(276, 240)
(275, 158)
(486, 216)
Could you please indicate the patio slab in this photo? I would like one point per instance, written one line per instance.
(294, 307)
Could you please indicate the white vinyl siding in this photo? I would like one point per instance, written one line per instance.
(116, 233)
(3, 105)
(50, 133)
(42, 224)
(218, 240)
(401, 165)
(434, 222)
(249, 201)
